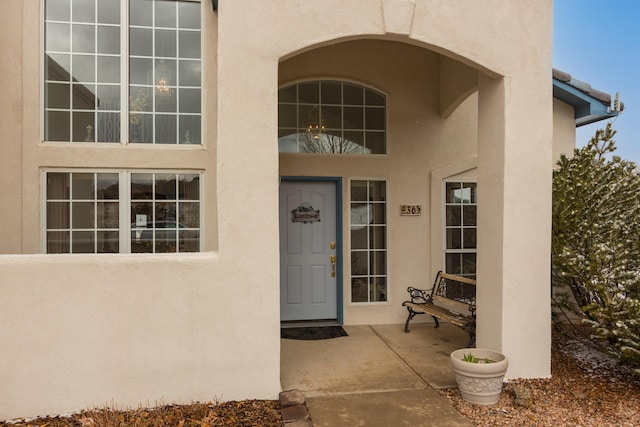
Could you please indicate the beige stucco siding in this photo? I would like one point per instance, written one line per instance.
(80, 332)
(11, 27)
(564, 130)
(136, 329)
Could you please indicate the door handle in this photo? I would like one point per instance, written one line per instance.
(332, 258)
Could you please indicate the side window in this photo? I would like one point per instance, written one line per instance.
(83, 212)
(368, 225)
(84, 51)
(331, 117)
(460, 228)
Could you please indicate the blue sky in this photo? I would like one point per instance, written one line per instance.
(598, 42)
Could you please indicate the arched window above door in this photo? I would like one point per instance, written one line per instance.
(331, 117)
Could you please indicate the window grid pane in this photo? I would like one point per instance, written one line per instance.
(165, 73)
(460, 228)
(83, 51)
(79, 220)
(165, 212)
(331, 117)
(368, 241)
(82, 71)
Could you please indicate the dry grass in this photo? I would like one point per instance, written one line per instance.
(248, 413)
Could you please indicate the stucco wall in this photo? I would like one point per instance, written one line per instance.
(148, 329)
(564, 130)
(123, 307)
(119, 330)
(11, 125)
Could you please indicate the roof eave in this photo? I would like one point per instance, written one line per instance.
(589, 105)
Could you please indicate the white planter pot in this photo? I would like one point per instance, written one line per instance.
(479, 383)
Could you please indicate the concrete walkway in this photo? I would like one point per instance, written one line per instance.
(377, 376)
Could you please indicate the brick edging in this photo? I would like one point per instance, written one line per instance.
(293, 408)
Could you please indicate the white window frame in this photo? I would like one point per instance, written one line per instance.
(124, 84)
(445, 250)
(341, 129)
(124, 187)
(369, 250)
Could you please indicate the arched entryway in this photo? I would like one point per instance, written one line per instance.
(375, 123)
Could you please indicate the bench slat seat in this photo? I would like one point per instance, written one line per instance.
(452, 298)
(441, 312)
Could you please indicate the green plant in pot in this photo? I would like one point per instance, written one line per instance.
(479, 374)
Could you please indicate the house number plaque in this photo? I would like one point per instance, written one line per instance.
(411, 210)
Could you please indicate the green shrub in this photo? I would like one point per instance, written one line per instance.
(596, 242)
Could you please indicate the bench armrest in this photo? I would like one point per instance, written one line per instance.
(419, 296)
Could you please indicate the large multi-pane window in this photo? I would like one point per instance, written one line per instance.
(368, 241)
(331, 117)
(460, 228)
(90, 212)
(122, 77)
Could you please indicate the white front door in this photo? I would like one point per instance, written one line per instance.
(308, 264)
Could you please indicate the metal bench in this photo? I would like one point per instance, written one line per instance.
(452, 298)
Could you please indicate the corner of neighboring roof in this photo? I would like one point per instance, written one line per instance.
(590, 105)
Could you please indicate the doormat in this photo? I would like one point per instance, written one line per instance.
(312, 333)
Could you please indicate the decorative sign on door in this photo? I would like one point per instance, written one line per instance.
(305, 214)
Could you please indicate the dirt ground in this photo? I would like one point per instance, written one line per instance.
(248, 413)
(586, 389)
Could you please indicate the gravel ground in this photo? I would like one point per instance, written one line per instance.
(586, 389)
